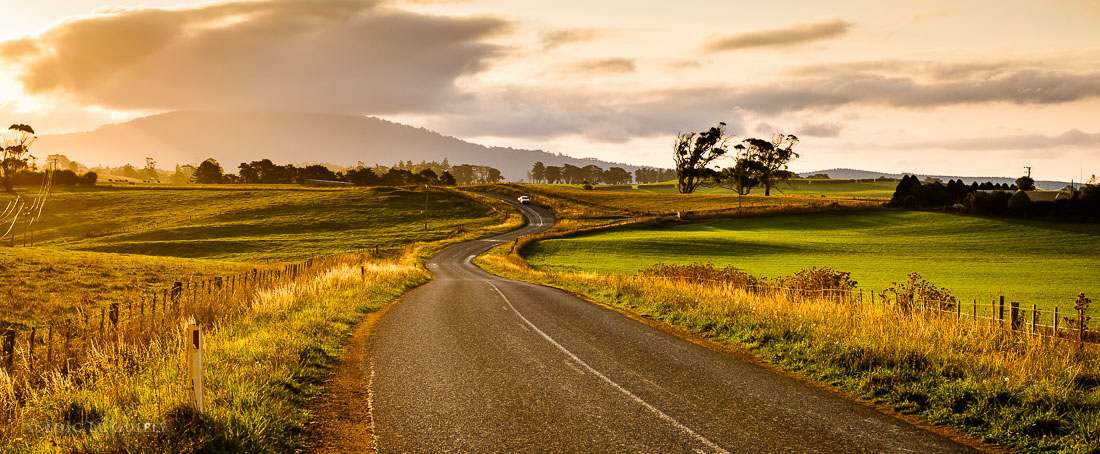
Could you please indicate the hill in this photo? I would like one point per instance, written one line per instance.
(852, 174)
(285, 138)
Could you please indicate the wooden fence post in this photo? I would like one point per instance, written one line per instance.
(49, 346)
(194, 365)
(68, 342)
(9, 350)
(1001, 313)
(1034, 318)
(30, 350)
(1014, 321)
(1055, 321)
(113, 316)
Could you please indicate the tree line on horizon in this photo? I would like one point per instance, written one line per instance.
(999, 199)
(404, 173)
(594, 174)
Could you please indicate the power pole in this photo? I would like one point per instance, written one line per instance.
(1028, 171)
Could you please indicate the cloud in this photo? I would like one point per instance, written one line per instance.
(602, 66)
(780, 37)
(1025, 87)
(598, 115)
(551, 39)
(1039, 143)
(819, 130)
(324, 55)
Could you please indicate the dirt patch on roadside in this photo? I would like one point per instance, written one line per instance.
(342, 415)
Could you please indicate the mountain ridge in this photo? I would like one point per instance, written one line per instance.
(287, 137)
(846, 174)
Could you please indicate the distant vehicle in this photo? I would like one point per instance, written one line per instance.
(524, 199)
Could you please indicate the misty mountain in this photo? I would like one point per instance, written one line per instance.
(847, 174)
(285, 138)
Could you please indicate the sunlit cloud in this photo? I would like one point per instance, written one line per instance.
(551, 39)
(332, 56)
(780, 37)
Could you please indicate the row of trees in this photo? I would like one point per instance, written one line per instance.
(571, 174)
(266, 172)
(999, 199)
(594, 174)
(758, 162)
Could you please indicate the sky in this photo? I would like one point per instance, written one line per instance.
(975, 88)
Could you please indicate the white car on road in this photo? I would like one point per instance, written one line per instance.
(524, 199)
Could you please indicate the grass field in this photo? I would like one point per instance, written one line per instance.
(249, 225)
(1042, 263)
(171, 234)
(799, 187)
(268, 351)
(637, 203)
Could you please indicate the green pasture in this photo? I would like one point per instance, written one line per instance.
(98, 245)
(1033, 262)
(800, 187)
(279, 224)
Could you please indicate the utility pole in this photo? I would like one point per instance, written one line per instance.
(1028, 171)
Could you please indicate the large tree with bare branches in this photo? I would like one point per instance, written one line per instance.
(769, 158)
(693, 154)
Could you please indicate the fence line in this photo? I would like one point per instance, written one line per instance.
(63, 344)
(1064, 323)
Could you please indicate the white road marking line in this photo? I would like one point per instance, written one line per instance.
(470, 259)
(572, 366)
(611, 382)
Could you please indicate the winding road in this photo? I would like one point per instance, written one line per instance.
(472, 362)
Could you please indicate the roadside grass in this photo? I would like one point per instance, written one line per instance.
(1028, 393)
(263, 364)
(1031, 262)
(260, 371)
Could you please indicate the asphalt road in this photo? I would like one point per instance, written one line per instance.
(472, 362)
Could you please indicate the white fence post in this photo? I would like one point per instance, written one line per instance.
(194, 365)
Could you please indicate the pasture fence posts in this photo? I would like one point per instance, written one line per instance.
(1055, 321)
(1001, 312)
(84, 340)
(30, 349)
(68, 342)
(1034, 317)
(9, 350)
(1014, 321)
(49, 346)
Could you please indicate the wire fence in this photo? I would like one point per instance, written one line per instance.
(1051, 320)
(63, 344)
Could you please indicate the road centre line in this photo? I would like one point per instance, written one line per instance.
(611, 382)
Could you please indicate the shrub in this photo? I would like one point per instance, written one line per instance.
(1019, 204)
(917, 291)
(818, 279)
(702, 272)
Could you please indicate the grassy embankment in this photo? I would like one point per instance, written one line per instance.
(1029, 393)
(267, 354)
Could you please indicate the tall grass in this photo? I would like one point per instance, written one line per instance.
(1026, 392)
(261, 365)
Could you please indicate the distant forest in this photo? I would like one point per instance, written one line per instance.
(593, 174)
